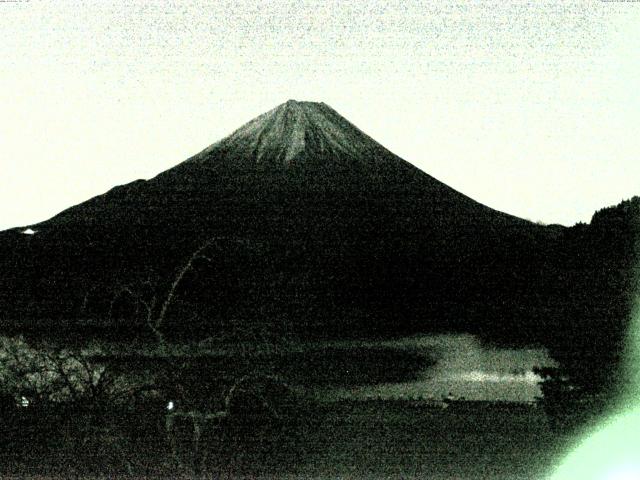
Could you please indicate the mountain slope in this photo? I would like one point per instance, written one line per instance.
(317, 225)
(301, 148)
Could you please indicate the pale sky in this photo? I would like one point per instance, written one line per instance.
(532, 109)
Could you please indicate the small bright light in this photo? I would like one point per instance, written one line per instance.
(28, 231)
(24, 402)
(170, 406)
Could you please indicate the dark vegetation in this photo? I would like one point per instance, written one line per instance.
(270, 429)
(66, 412)
(598, 270)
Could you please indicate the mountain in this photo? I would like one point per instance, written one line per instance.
(310, 225)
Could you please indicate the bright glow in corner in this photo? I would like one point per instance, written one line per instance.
(625, 472)
(611, 453)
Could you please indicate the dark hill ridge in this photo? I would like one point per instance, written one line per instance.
(318, 227)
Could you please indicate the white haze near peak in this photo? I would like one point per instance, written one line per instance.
(528, 107)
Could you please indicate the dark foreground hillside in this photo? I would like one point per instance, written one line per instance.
(261, 414)
(344, 440)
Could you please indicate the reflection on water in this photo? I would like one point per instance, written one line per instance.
(463, 367)
(479, 376)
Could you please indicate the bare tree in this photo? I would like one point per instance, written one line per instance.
(213, 421)
(50, 374)
(146, 294)
(46, 378)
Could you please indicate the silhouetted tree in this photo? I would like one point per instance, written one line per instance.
(152, 297)
(597, 283)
